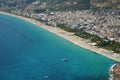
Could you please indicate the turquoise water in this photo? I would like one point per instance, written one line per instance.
(28, 52)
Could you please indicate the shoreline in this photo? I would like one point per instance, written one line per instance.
(111, 70)
(70, 37)
(115, 72)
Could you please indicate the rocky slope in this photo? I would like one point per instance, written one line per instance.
(105, 3)
(115, 72)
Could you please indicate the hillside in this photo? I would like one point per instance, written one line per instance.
(50, 4)
(61, 5)
(105, 3)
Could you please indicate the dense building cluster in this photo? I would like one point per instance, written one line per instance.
(102, 23)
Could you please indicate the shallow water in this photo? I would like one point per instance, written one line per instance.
(28, 52)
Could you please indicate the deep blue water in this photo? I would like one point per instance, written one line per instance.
(28, 52)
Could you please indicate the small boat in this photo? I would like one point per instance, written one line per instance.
(45, 77)
(64, 60)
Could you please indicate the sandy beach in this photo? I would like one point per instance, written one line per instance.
(72, 38)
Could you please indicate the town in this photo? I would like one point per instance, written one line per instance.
(103, 24)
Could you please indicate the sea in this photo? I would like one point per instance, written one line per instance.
(29, 52)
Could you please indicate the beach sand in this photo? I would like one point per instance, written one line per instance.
(71, 37)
